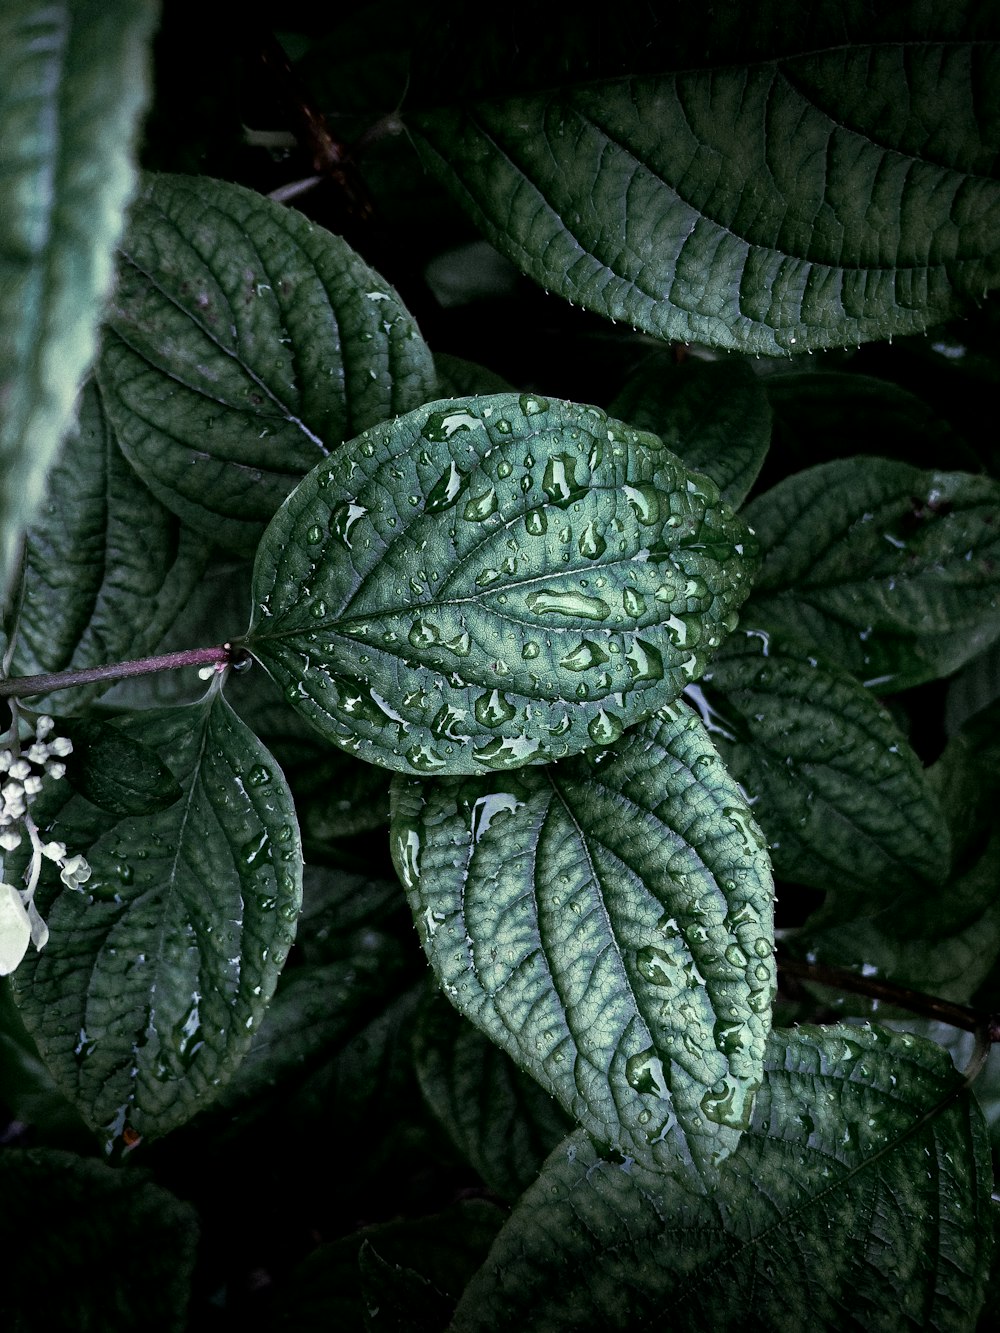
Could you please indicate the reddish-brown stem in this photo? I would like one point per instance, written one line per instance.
(19, 687)
(917, 1002)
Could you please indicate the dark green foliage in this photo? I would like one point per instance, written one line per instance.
(580, 660)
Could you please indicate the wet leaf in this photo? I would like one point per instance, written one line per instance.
(107, 569)
(843, 800)
(885, 570)
(120, 1257)
(495, 581)
(158, 970)
(856, 1200)
(243, 345)
(823, 190)
(607, 921)
(73, 84)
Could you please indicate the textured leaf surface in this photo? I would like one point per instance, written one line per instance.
(243, 345)
(72, 86)
(107, 569)
(841, 796)
(606, 921)
(349, 967)
(888, 571)
(713, 414)
(117, 772)
(145, 998)
(947, 940)
(96, 1248)
(501, 1121)
(836, 1212)
(489, 582)
(837, 194)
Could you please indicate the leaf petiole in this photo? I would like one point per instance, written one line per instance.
(18, 687)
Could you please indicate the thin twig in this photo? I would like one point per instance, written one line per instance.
(985, 1026)
(19, 687)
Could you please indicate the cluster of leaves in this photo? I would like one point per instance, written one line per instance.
(587, 643)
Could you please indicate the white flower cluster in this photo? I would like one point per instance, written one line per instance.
(22, 776)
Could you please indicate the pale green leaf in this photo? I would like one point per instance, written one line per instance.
(713, 414)
(107, 570)
(73, 83)
(95, 1248)
(494, 581)
(159, 969)
(501, 1121)
(243, 345)
(834, 194)
(608, 922)
(843, 800)
(857, 1201)
(885, 570)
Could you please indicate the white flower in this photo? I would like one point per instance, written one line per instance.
(26, 773)
(75, 871)
(15, 929)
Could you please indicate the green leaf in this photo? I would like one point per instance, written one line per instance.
(116, 772)
(495, 581)
(607, 922)
(857, 1200)
(843, 799)
(713, 414)
(243, 345)
(144, 1001)
(942, 935)
(887, 571)
(834, 194)
(73, 84)
(500, 1120)
(106, 569)
(95, 1248)
(349, 967)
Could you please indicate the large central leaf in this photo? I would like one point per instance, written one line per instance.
(494, 581)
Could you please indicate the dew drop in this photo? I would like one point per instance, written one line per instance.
(531, 405)
(314, 534)
(644, 661)
(644, 501)
(605, 728)
(574, 605)
(591, 544)
(633, 602)
(585, 654)
(446, 490)
(644, 1072)
(493, 710)
(441, 426)
(343, 519)
(425, 759)
(536, 523)
(480, 507)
